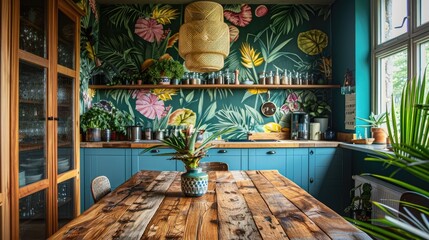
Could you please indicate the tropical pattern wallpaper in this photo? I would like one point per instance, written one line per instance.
(120, 39)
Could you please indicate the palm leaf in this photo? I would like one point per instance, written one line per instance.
(122, 15)
(286, 17)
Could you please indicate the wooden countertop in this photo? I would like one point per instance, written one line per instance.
(238, 205)
(216, 144)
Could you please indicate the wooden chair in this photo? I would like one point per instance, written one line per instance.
(100, 187)
(412, 198)
(213, 166)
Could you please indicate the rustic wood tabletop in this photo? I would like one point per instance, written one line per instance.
(238, 205)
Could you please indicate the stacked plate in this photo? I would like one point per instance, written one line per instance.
(33, 178)
(63, 164)
(21, 178)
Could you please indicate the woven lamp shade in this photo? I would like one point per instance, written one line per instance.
(204, 37)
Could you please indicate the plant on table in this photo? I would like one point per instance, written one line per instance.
(408, 132)
(194, 182)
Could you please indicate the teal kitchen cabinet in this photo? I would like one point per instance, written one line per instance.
(326, 177)
(151, 161)
(297, 166)
(115, 163)
(235, 158)
(268, 158)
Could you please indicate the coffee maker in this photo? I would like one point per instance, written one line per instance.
(300, 126)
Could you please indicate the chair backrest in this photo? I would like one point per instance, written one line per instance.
(412, 198)
(100, 187)
(213, 166)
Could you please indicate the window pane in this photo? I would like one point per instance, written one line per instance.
(393, 19)
(424, 58)
(394, 74)
(424, 14)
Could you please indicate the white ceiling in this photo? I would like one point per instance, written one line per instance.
(323, 2)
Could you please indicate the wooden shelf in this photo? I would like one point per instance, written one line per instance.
(213, 86)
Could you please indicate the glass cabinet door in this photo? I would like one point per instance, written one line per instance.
(65, 129)
(66, 202)
(33, 34)
(66, 37)
(32, 216)
(32, 123)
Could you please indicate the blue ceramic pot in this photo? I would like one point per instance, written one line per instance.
(194, 182)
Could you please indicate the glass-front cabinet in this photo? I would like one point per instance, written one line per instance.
(45, 83)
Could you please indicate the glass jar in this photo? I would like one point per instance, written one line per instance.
(219, 78)
(269, 79)
(227, 77)
(262, 78)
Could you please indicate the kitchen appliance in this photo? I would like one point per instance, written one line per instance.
(300, 126)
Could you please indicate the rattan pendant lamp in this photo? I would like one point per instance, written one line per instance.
(204, 37)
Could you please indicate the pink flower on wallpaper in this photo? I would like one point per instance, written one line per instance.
(150, 106)
(290, 107)
(293, 97)
(166, 110)
(149, 29)
(240, 19)
(139, 93)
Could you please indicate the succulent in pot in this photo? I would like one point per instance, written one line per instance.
(185, 148)
(375, 122)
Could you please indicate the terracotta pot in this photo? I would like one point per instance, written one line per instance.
(379, 134)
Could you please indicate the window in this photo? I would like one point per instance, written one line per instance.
(400, 49)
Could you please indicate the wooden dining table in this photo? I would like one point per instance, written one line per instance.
(238, 205)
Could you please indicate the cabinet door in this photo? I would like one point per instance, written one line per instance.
(268, 159)
(112, 163)
(326, 177)
(297, 166)
(150, 160)
(235, 158)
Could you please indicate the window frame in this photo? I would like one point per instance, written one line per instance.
(409, 40)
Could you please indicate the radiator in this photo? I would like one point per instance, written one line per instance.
(382, 192)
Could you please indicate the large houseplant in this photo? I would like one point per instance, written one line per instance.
(194, 182)
(375, 122)
(408, 132)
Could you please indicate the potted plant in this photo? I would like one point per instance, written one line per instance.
(194, 182)
(163, 70)
(360, 206)
(375, 122)
(319, 111)
(120, 121)
(94, 121)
